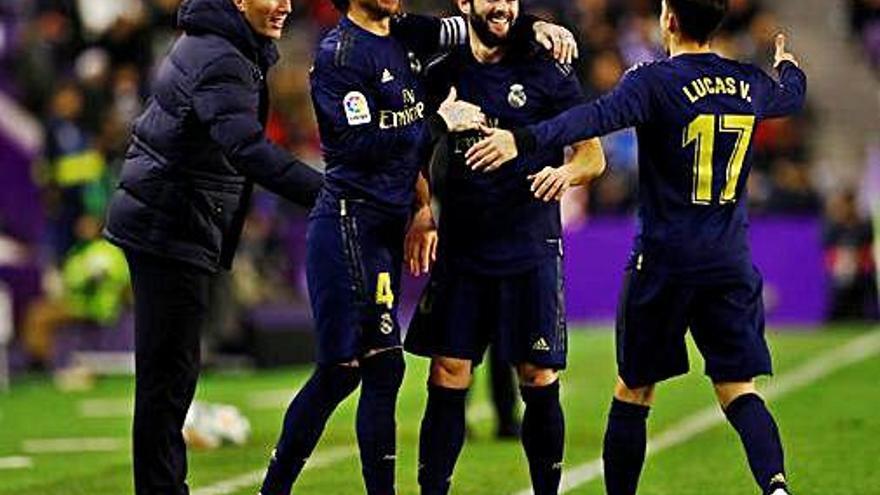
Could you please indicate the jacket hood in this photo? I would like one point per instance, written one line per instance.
(221, 18)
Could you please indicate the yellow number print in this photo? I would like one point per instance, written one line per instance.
(384, 294)
(702, 132)
(742, 126)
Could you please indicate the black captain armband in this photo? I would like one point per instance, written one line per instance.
(525, 141)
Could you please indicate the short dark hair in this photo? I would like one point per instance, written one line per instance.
(341, 5)
(699, 19)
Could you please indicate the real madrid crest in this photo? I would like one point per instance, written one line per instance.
(517, 96)
(414, 63)
(386, 325)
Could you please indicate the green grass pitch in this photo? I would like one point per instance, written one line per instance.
(830, 427)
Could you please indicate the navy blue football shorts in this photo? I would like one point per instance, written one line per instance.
(354, 257)
(522, 315)
(725, 319)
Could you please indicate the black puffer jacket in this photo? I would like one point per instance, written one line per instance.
(200, 144)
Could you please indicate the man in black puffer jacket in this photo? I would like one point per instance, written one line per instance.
(182, 199)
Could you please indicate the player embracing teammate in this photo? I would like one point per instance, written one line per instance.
(691, 267)
(498, 275)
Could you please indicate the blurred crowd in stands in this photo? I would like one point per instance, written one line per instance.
(865, 22)
(83, 67)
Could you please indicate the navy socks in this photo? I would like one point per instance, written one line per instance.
(750, 418)
(304, 423)
(381, 377)
(626, 439)
(543, 436)
(441, 438)
(624, 447)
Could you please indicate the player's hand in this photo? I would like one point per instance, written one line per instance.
(551, 183)
(557, 40)
(460, 115)
(494, 150)
(420, 245)
(782, 55)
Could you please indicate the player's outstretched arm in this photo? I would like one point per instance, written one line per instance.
(786, 97)
(420, 245)
(587, 162)
(629, 104)
(225, 100)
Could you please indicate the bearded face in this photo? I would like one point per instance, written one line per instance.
(492, 20)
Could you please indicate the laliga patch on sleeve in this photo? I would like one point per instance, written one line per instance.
(357, 111)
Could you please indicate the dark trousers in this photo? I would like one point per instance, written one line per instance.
(171, 304)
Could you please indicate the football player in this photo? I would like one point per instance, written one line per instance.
(498, 277)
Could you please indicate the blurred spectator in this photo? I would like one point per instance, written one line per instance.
(740, 15)
(613, 194)
(849, 240)
(94, 288)
(75, 172)
(791, 191)
(865, 21)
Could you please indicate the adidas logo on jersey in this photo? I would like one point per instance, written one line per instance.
(387, 77)
(540, 345)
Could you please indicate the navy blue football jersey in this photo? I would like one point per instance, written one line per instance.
(695, 116)
(371, 113)
(490, 222)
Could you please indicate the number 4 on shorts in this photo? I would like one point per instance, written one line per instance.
(384, 294)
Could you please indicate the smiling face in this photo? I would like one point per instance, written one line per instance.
(492, 20)
(266, 17)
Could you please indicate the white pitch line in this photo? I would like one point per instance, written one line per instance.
(105, 408)
(16, 462)
(253, 478)
(854, 351)
(270, 399)
(72, 445)
(480, 412)
(477, 412)
(122, 408)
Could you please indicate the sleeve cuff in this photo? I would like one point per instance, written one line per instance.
(526, 142)
(785, 64)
